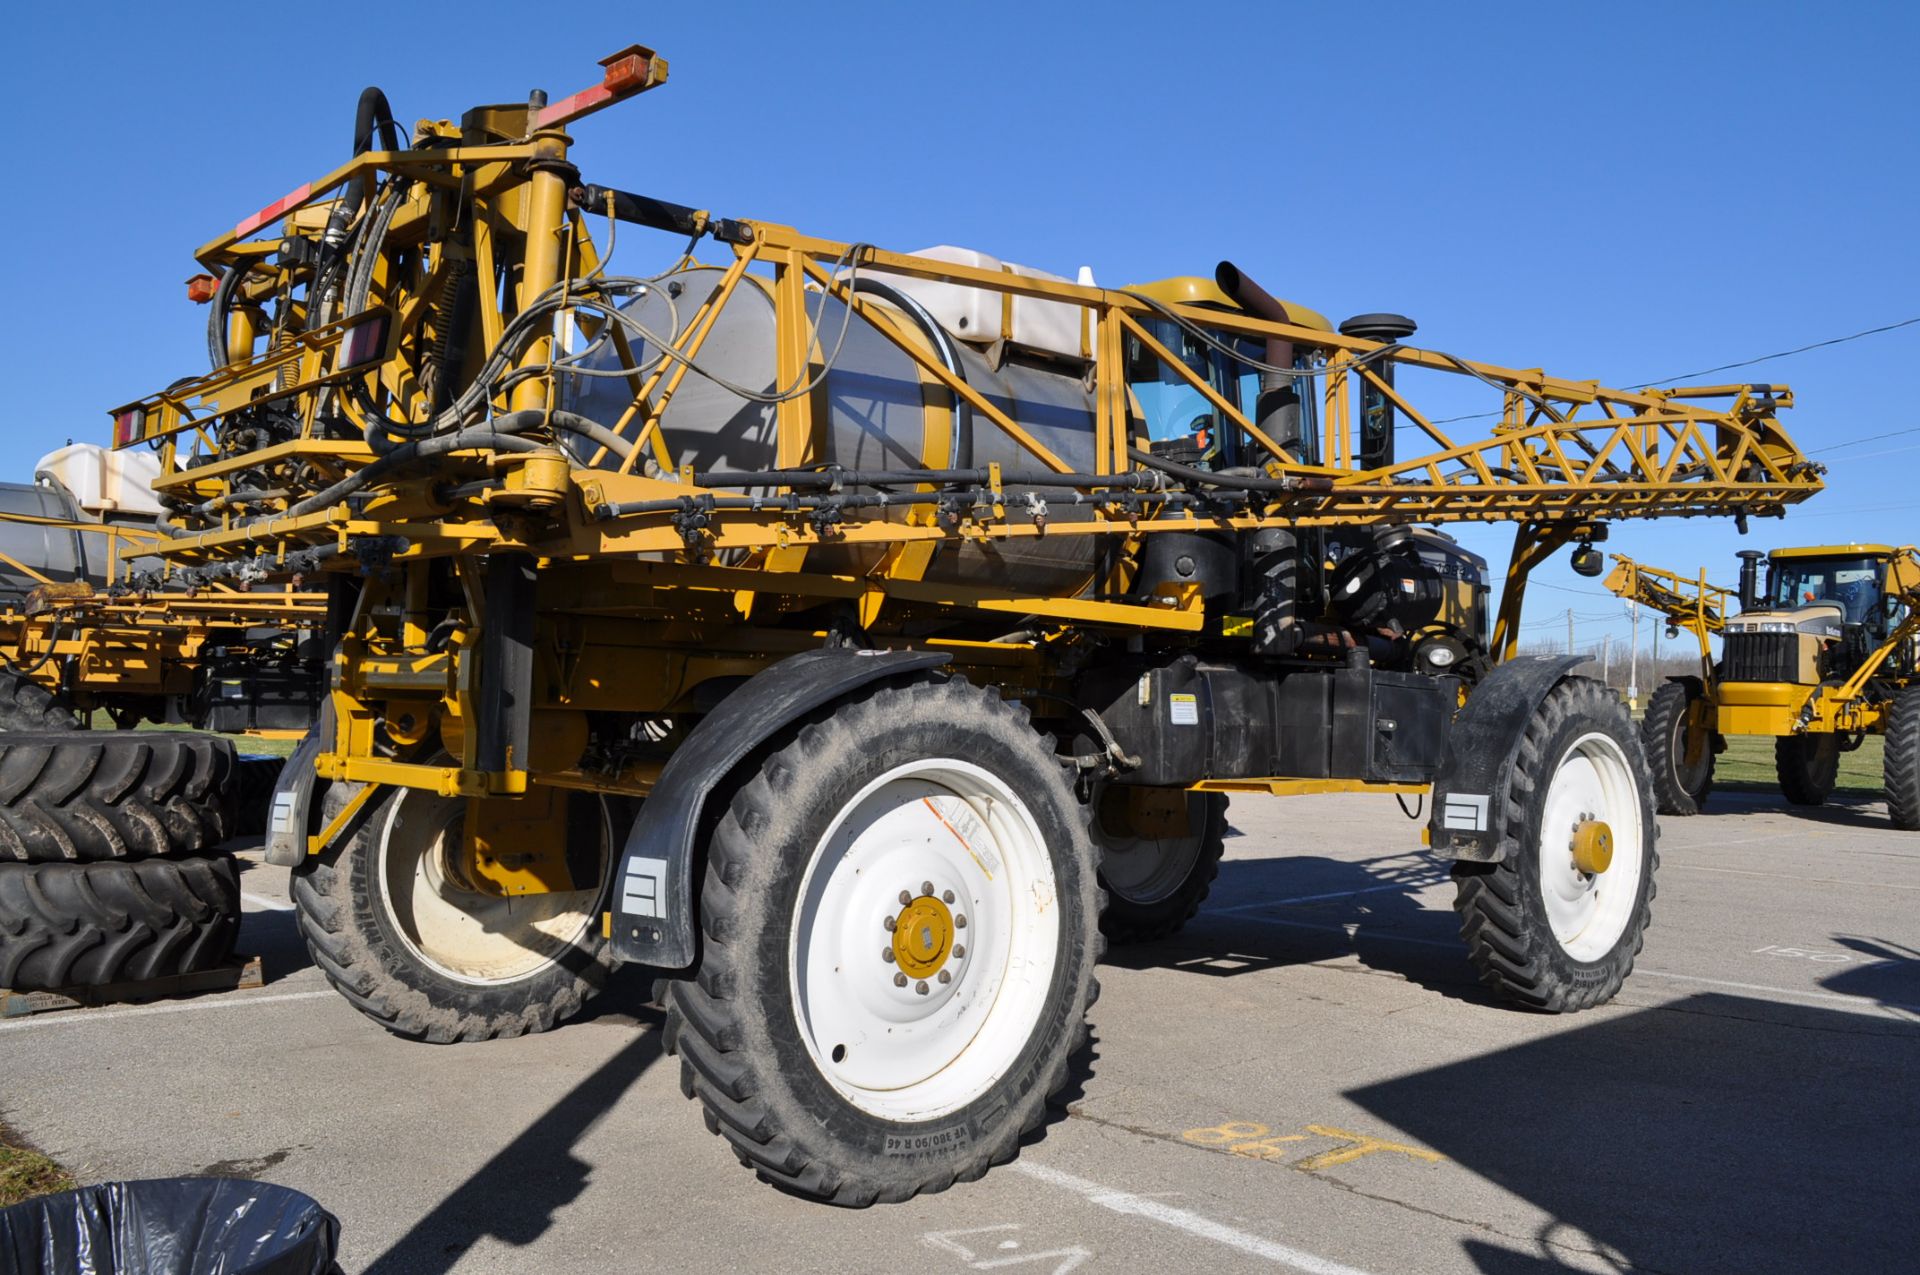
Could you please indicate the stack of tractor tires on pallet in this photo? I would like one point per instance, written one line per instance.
(110, 866)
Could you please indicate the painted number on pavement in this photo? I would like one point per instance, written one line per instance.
(1827, 957)
(1260, 1142)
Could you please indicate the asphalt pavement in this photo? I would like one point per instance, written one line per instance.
(1307, 1079)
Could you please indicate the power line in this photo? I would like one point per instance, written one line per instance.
(1724, 367)
(1817, 345)
(1591, 593)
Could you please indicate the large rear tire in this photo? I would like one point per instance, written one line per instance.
(27, 705)
(1155, 884)
(387, 918)
(1901, 761)
(90, 924)
(1543, 929)
(91, 795)
(1679, 748)
(1808, 766)
(900, 925)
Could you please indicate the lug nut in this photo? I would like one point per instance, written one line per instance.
(899, 980)
(887, 923)
(947, 897)
(906, 897)
(926, 888)
(960, 921)
(886, 954)
(959, 950)
(921, 987)
(945, 977)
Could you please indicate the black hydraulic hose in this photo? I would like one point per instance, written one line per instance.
(373, 110)
(801, 502)
(1239, 482)
(370, 114)
(217, 351)
(1132, 480)
(500, 434)
(489, 435)
(246, 496)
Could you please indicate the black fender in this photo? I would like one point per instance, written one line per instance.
(1469, 817)
(290, 815)
(1697, 689)
(654, 915)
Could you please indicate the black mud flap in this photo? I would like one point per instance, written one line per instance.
(289, 815)
(1469, 816)
(653, 897)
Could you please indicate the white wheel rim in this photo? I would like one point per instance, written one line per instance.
(894, 1051)
(465, 935)
(1149, 869)
(1590, 911)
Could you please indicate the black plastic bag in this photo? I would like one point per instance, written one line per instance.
(170, 1226)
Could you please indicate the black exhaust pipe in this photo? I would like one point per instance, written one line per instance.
(1277, 412)
(1750, 579)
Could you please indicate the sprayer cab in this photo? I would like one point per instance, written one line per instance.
(1824, 610)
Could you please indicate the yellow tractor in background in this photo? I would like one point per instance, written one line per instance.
(1818, 657)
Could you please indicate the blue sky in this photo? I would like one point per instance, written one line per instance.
(1621, 191)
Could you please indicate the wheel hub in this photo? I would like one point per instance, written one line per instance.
(923, 933)
(1592, 846)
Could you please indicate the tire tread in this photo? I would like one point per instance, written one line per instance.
(1509, 947)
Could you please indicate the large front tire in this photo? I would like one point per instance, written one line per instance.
(387, 919)
(1544, 930)
(900, 928)
(1679, 746)
(1900, 767)
(1808, 766)
(1155, 883)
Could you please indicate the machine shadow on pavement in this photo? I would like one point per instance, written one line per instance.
(1843, 810)
(1302, 909)
(515, 1196)
(1717, 1133)
(1890, 973)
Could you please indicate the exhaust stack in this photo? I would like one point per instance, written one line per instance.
(1750, 579)
(1277, 411)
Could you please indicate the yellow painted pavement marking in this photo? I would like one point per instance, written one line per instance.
(1259, 1142)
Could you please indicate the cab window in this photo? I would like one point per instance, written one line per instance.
(1852, 584)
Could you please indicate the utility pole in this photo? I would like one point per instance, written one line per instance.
(1657, 626)
(1569, 630)
(1633, 658)
(1606, 659)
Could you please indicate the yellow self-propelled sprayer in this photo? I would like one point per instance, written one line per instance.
(1822, 654)
(912, 599)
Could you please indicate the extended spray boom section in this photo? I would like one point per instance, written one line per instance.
(433, 354)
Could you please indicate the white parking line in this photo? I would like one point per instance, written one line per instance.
(1841, 997)
(261, 901)
(1409, 886)
(73, 1017)
(1784, 876)
(1350, 929)
(1183, 1220)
